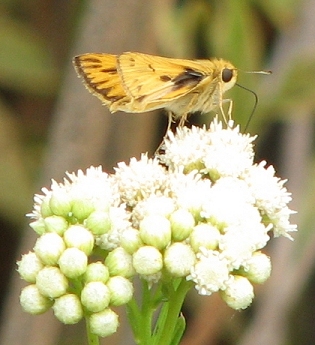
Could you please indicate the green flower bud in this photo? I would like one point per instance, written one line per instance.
(182, 223)
(179, 259)
(56, 224)
(73, 262)
(49, 247)
(60, 203)
(96, 271)
(38, 226)
(204, 235)
(104, 323)
(45, 209)
(29, 266)
(51, 282)
(68, 309)
(119, 262)
(239, 293)
(33, 302)
(155, 230)
(95, 296)
(258, 268)
(147, 260)
(121, 290)
(82, 207)
(130, 240)
(98, 222)
(79, 237)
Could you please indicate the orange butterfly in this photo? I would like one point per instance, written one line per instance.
(136, 82)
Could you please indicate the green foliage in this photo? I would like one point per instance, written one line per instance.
(297, 89)
(14, 182)
(26, 66)
(27, 72)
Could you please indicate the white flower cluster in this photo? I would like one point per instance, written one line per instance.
(201, 211)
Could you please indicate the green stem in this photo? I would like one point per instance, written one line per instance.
(146, 313)
(140, 318)
(92, 338)
(176, 300)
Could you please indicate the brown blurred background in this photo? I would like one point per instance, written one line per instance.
(50, 124)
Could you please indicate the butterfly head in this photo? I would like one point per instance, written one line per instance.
(227, 74)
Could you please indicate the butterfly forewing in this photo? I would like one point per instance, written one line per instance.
(158, 79)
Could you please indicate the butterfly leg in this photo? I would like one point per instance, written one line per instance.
(230, 101)
(222, 112)
(230, 123)
(227, 119)
(190, 105)
(183, 120)
(170, 121)
(229, 112)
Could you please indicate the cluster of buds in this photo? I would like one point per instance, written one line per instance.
(201, 211)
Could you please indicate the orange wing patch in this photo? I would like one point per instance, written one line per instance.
(101, 77)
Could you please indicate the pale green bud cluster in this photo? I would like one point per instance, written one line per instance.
(61, 268)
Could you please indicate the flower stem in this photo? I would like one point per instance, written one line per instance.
(175, 302)
(168, 325)
(140, 318)
(92, 338)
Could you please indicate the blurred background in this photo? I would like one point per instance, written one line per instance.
(50, 124)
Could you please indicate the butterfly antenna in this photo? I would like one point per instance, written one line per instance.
(258, 72)
(255, 105)
(253, 93)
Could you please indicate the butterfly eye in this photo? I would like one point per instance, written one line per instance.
(227, 75)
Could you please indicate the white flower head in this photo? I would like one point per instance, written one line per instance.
(218, 151)
(227, 202)
(271, 197)
(94, 185)
(210, 273)
(189, 191)
(229, 152)
(238, 243)
(78, 196)
(186, 149)
(139, 179)
(153, 205)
